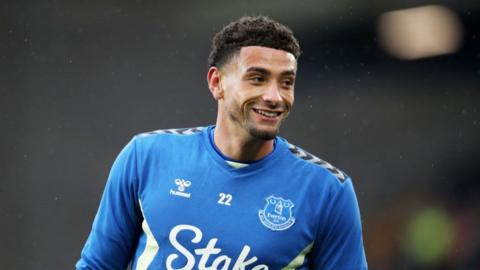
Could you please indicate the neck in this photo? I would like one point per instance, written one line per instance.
(240, 145)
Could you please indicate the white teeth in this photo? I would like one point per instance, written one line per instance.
(268, 114)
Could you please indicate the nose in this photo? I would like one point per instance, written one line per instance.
(272, 94)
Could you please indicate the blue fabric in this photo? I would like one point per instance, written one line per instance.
(258, 217)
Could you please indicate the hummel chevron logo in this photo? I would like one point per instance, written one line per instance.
(182, 185)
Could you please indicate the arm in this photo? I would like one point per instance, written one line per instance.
(116, 227)
(339, 243)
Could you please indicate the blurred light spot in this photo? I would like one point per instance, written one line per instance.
(429, 236)
(420, 32)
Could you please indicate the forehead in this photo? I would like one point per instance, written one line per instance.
(264, 57)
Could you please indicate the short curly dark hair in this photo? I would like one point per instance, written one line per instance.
(251, 31)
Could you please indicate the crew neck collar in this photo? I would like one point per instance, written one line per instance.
(211, 136)
(220, 159)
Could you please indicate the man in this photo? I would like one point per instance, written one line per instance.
(233, 195)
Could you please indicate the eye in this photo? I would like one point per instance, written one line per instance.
(257, 79)
(287, 83)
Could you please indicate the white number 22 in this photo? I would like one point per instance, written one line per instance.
(225, 199)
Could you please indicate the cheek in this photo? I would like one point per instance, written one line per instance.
(242, 94)
(234, 89)
(289, 98)
(234, 98)
(228, 93)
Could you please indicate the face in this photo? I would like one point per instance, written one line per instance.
(257, 90)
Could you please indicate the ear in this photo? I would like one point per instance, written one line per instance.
(213, 78)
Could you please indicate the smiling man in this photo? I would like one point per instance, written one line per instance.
(234, 195)
(255, 94)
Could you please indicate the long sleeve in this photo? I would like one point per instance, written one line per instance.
(116, 227)
(339, 244)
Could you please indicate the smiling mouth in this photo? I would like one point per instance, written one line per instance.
(269, 114)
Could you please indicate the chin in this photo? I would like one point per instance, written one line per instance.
(263, 134)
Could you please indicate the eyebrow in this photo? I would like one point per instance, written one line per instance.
(267, 72)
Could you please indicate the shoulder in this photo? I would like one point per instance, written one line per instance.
(315, 163)
(169, 134)
(172, 131)
(165, 138)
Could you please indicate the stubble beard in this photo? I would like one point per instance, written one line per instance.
(248, 124)
(259, 133)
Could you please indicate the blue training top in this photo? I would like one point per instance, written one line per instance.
(172, 202)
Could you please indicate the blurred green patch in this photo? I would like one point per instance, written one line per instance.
(429, 235)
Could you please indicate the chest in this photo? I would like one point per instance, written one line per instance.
(207, 218)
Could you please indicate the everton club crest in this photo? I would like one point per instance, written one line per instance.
(277, 213)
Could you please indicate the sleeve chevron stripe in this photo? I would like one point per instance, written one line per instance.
(300, 153)
(177, 131)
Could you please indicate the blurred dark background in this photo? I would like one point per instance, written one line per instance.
(80, 78)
